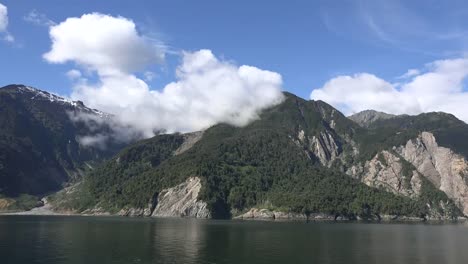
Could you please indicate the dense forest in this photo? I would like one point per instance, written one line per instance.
(275, 162)
(263, 165)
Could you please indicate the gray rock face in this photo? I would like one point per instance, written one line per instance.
(189, 140)
(133, 212)
(325, 148)
(386, 171)
(182, 201)
(447, 170)
(367, 117)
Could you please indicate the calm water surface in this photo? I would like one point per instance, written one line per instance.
(56, 239)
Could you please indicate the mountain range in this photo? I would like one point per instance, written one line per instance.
(40, 152)
(300, 160)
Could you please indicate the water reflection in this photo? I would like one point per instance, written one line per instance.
(35, 239)
(177, 240)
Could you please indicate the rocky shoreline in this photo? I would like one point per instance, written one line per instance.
(253, 214)
(272, 215)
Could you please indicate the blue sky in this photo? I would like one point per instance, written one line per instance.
(308, 42)
(311, 44)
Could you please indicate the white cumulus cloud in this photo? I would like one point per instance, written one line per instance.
(103, 43)
(207, 90)
(4, 24)
(437, 87)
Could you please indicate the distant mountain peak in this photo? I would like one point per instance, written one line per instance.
(367, 117)
(35, 94)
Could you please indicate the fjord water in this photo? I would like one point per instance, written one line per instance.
(57, 239)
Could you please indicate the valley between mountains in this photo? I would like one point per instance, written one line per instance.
(300, 160)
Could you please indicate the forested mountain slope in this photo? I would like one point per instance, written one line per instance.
(301, 157)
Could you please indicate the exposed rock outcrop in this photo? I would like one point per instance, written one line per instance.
(325, 148)
(445, 169)
(189, 140)
(267, 214)
(132, 212)
(96, 211)
(386, 170)
(182, 201)
(401, 169)
(5, 204)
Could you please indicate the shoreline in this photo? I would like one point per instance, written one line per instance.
(48, 212)
(254, 214)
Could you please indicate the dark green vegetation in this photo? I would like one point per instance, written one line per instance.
(264, 163)
(39, 150)
(271, 163)
(23, 202)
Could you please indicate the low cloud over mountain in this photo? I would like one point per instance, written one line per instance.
(439, 86)
(207, 90)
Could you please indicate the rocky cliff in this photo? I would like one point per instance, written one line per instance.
(446, 170)
(388, 171)
(294, 157)
(402, 170)
(182, 201)
(325, 148)
(322, 147)
(189, 140)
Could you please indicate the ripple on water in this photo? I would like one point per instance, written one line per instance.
(57, 239)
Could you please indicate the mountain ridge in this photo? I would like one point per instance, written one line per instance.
(299, 159)
(40, 150)
(296, 158)
(367, 117)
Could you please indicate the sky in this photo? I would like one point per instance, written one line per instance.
(185, 65)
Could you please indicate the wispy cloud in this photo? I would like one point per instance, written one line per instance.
(39, 19)
(410, 73)
(149, 76)
(379, 32)
(405, 25)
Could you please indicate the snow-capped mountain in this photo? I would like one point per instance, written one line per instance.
(40, 140)
(39, 95)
